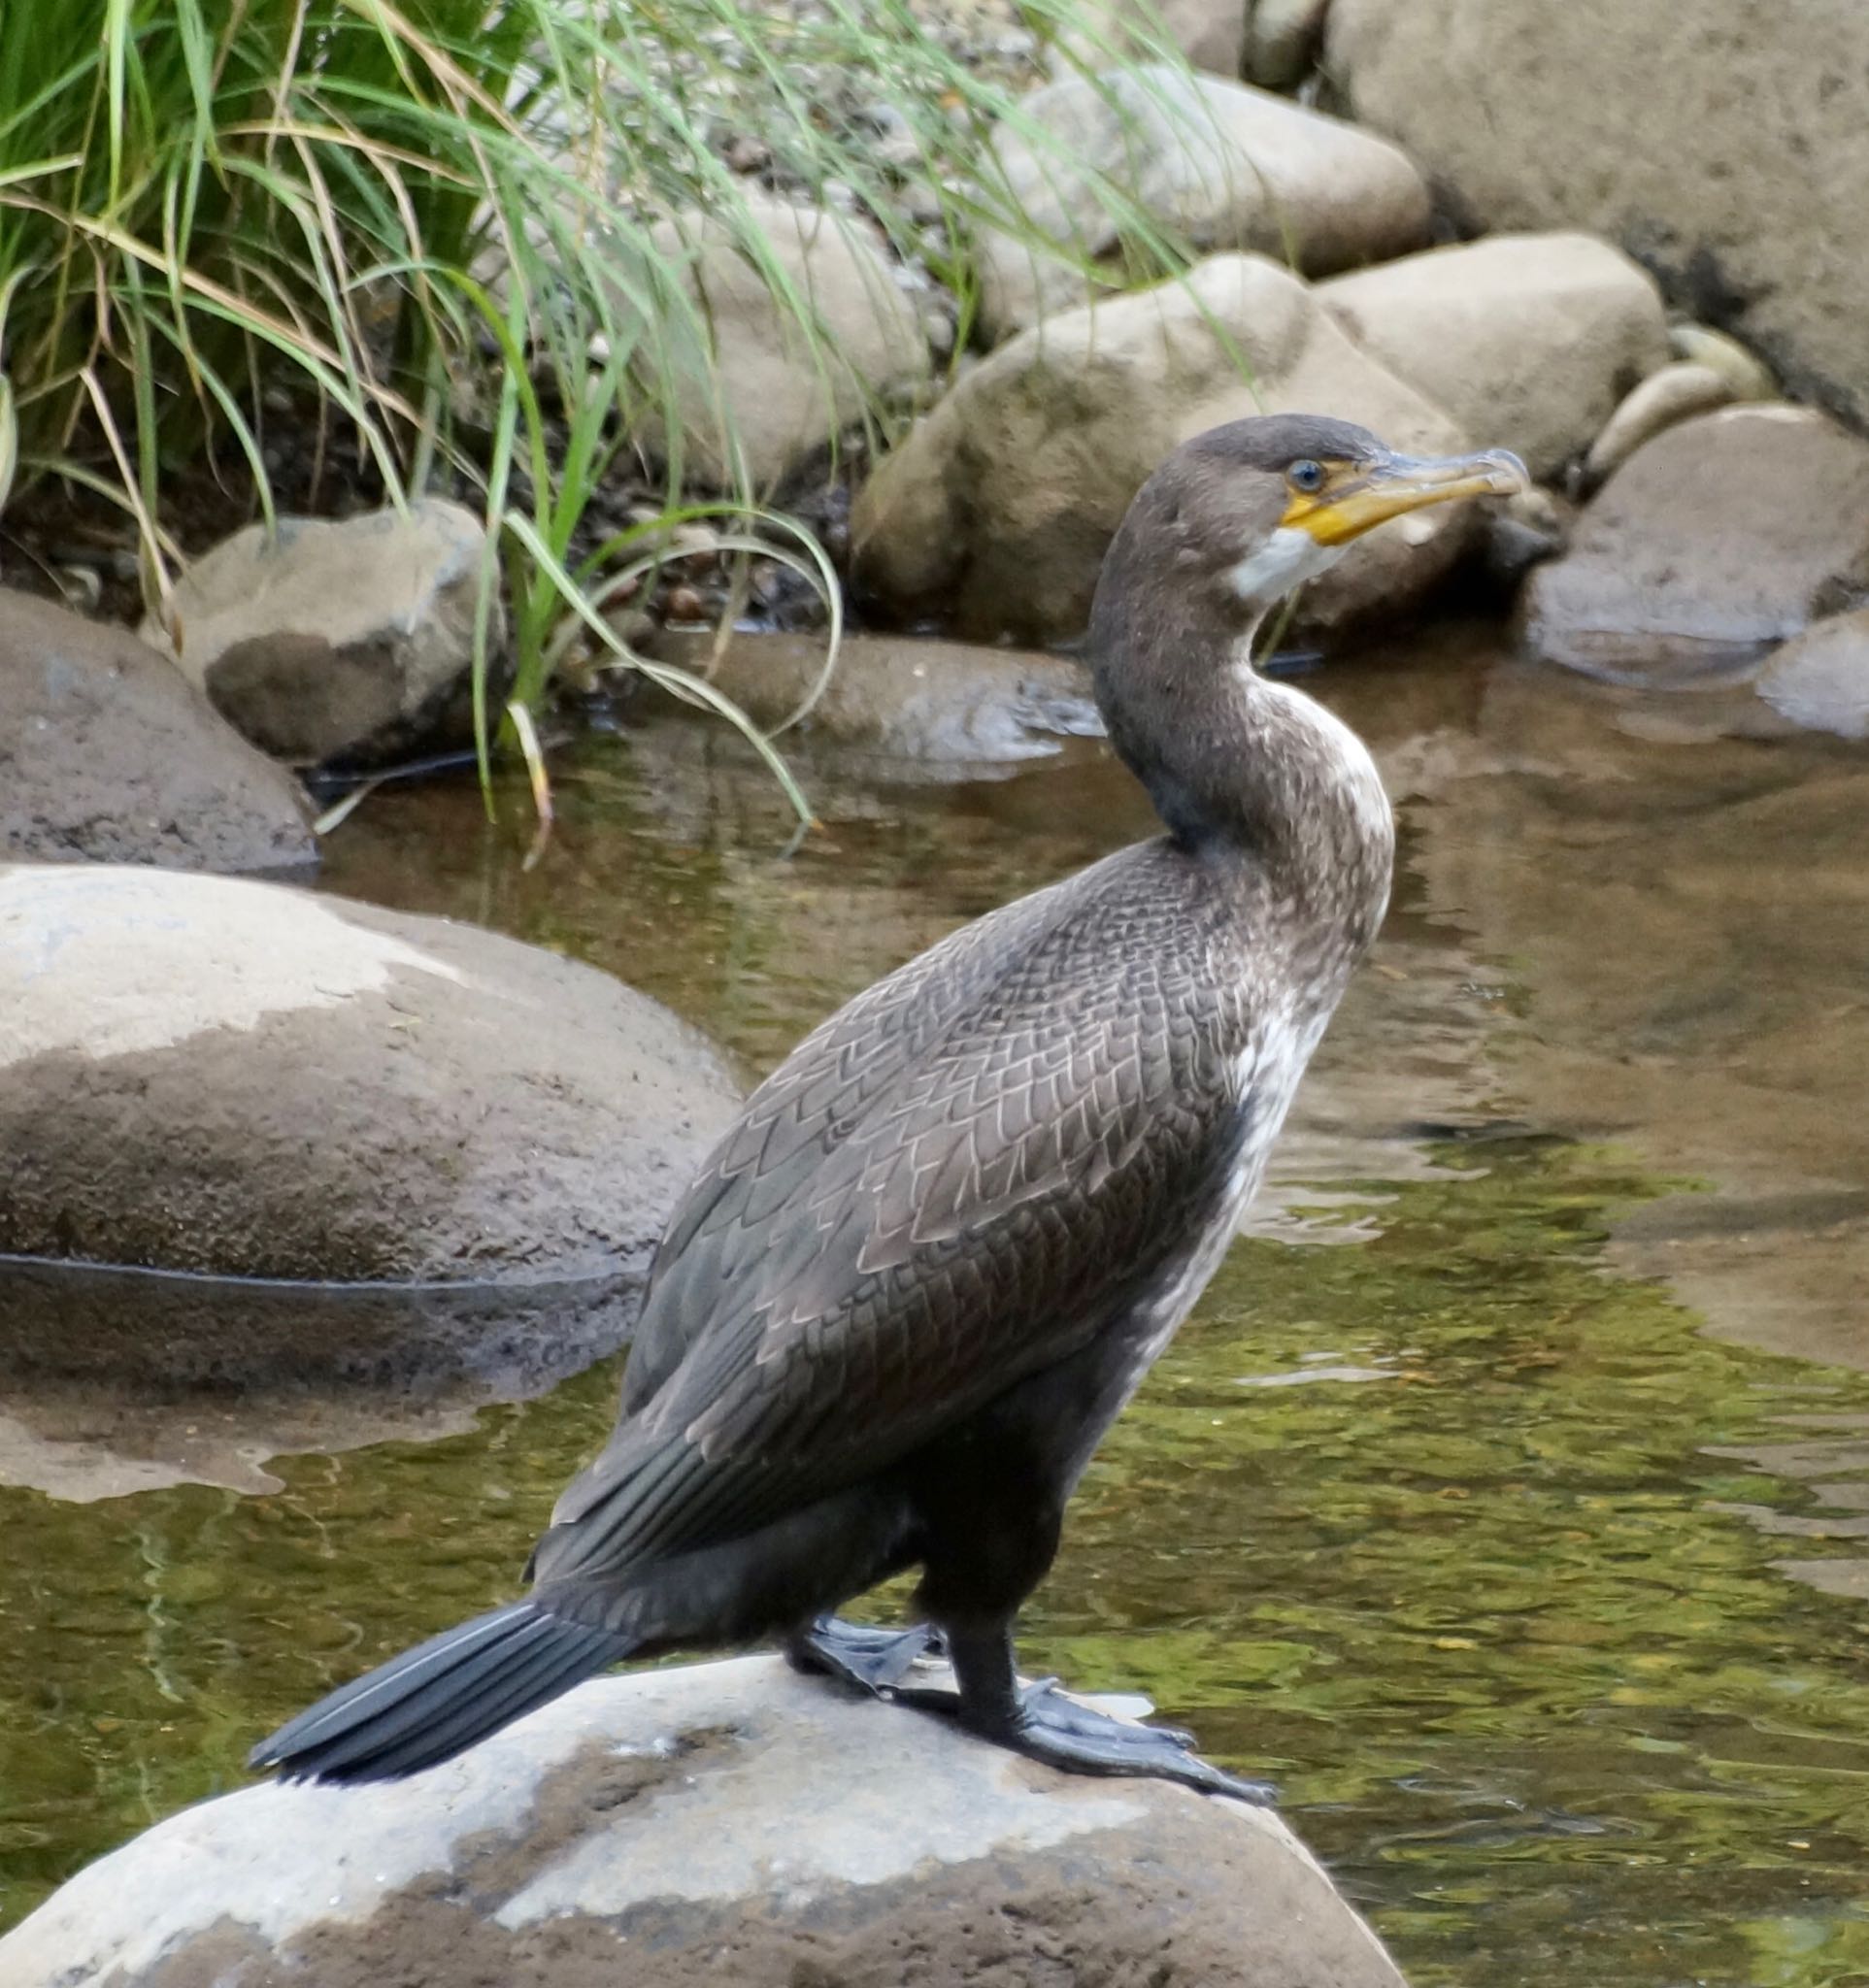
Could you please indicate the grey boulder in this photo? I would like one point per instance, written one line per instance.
(1725, 536)
(344, 641)
(107, 756)
(260, 1137)
(729, 1823)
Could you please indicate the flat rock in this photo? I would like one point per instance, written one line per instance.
(785, 392)
(993, 513)
(445, 1154)
(107, 756)
(1530, 340)
(1819, 680)
(1725, 145)
(1723, 537)
(724, 1823)
(1664, 399)
(936, 704)
(345, 641)
(1219, 164)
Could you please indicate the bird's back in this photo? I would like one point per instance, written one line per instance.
(961, 1177)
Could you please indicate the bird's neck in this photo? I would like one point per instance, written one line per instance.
(1247, 772)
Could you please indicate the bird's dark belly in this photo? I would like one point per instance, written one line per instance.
(987, 1497)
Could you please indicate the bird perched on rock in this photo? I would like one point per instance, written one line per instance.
(942, 1243)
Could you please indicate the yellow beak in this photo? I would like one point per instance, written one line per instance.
(1369, 494)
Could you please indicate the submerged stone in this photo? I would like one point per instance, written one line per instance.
(729, 1822)
(936, 704)
(430, 1152)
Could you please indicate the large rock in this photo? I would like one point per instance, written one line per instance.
(107, 756)
(936, 704)
(1724, 143)
(1721, 538)
(995, 512)
(778, 391)
(1219, 164)
(1819, 680)
(347, 641)
(467, 1145)
(1530, 340)
(729, 1823)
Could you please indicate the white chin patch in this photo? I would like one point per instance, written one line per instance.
(1289, 555)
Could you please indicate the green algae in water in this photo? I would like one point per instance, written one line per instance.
(1426, 1527)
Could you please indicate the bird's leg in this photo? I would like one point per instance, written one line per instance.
(873, 1660)
(1040, 1721)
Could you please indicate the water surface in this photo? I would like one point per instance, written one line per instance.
(1541, 1599)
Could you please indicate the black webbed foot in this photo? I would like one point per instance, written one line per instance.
(1040, 1721)
(873, 1660)
(1051, 1727)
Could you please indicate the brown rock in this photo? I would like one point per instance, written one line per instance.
(728, 1823)
(1217, 164)
(348, 640)
(1721, 537)
(468, 1147)
(1530, 340)
(1725, 145)
(995, 512)
(107, 755)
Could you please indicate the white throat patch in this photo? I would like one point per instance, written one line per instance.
(1287, 557)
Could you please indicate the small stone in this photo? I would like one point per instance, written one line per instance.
(683, 605)
(107, 755)
(1819, 680)
(338, 642)
(1675, 394)
(747, 154)
(1745, 373)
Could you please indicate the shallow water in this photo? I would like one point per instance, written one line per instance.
(1542, 1602)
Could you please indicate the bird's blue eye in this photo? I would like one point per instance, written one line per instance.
(1306, 475)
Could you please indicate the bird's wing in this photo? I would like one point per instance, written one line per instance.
(947, 1187)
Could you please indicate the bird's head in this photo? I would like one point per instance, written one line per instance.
(1238, 517)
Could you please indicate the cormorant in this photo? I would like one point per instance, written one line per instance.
(942, 1243)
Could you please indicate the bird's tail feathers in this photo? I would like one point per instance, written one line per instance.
(440, 1697)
